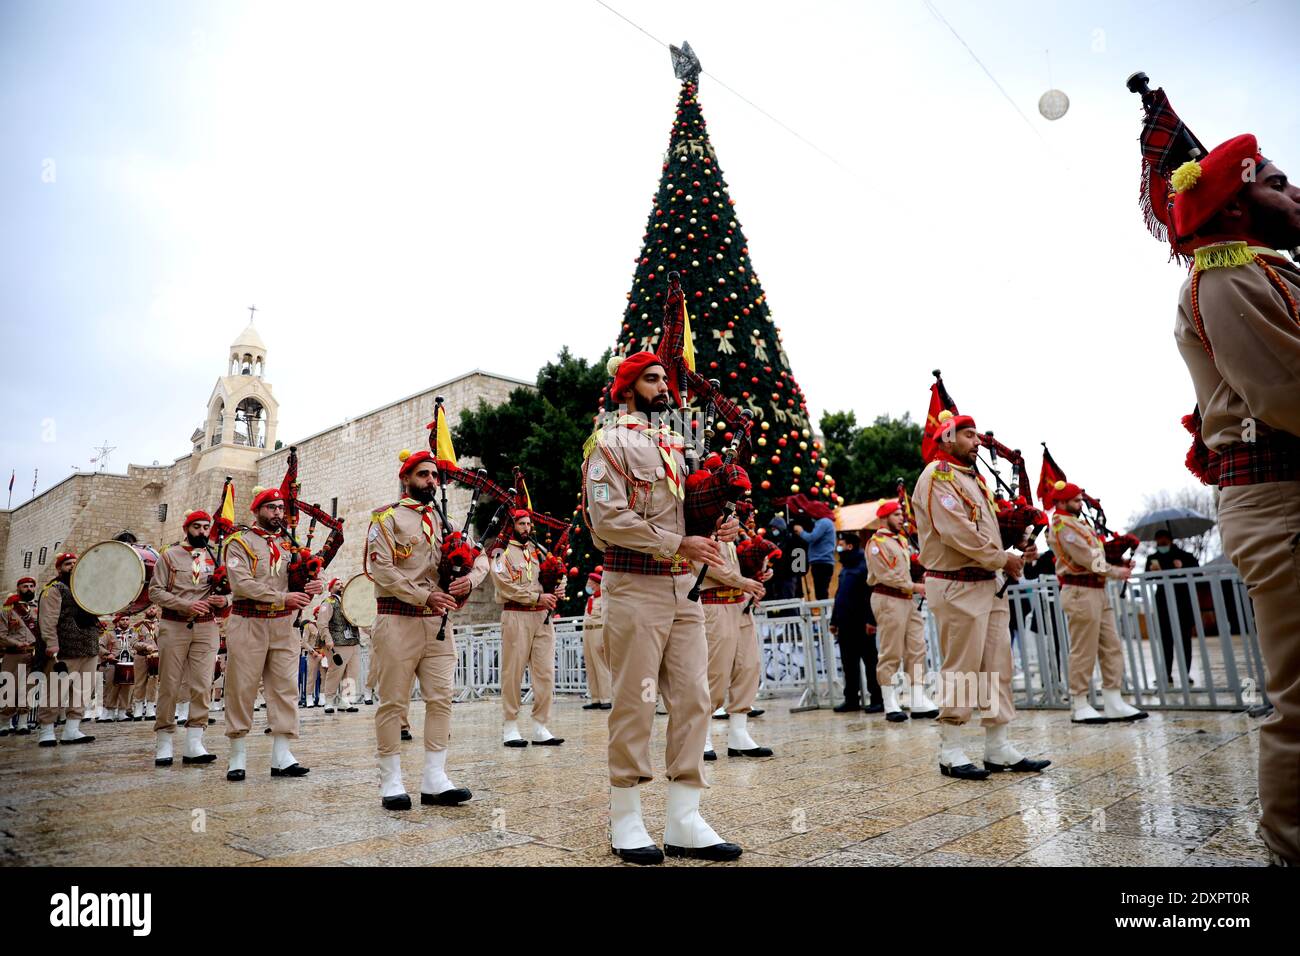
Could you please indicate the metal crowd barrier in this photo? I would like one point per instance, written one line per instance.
(1219, 667)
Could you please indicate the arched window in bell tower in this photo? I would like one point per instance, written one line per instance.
(250, 423)
(218, 423)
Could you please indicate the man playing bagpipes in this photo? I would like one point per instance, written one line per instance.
(260, 639)
(1238, 331)
(595, 654)
(963, 554)
(1082, 570)
(635, 501)
(411, 640)
(527, 634)
(18, 643)
(343, 639)
(733, 668)
(900, 628)
(68, 639)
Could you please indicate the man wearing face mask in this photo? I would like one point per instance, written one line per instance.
(260, 639)
(188, 638)
(1167, 557)
(594, 652)
(527, 638)
(18, 638)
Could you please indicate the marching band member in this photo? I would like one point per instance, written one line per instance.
(403, 548)
(594, 653)
(1081, 569)
(341, 638)
(115, 643)
(260, 641)
(633, 493)
(961, 549)
(527, 638)
(900, 627)
(189, 636)
(313, 645)
(732, 668)
(145, 646)
(18, 639)
(70, 636)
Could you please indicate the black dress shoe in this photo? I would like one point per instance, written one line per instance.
(406, 734)
(607, 706)
(550, 742)
(874, 708)
(1024, 765)
(721, 716)
(896, 717)
(641, 855)
(401, 802)
(753, 752)
(847, 708)
(267, 731)
(4, 732)
(202, 758)
(162, 761)
(234, 776)
(448, 798)
(710, 755)
(924, 714)
(88, 738)
(967, 771)
(211, 721)
(1091, 720)
(49, 743)
(757, 712)
(293, 770)
(351, 710)
(329, 710)
(23, 731)
(1140, 715)
(718, 853)
(594, 705)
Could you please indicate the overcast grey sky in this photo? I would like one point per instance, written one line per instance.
(409, 191)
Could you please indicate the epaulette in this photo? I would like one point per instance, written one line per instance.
(1226, 255)
(943, 471)
(590, 444)
(379, 514)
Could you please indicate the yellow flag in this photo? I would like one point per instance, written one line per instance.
(688, 341)
(443, 452)
(528, 499)
(228, 503)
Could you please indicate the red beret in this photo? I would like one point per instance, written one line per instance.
(63, 556)
(333, 581)
(949, 424)
(28, 580)
(1203, 187)
(630, 368)
(887, 509)
(521, 513)
(595, 575)
(264, 497)
(410, 460)
(1064, 491)
(194, 516)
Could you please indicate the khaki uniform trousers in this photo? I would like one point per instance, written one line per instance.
(344, 675)
(596, 656)
(527, 640)
(115, 695)
(655, 636)
(1260, 525)
(407, 649)
(69, 693)
(313, 672)
(1092, 634)
(900, 631)
(186, 659)
(733, 657)
(146, 684)
(975, 641)
(262, 651)
(14, 665)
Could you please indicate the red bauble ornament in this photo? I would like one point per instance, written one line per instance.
(765, 485)
(781, 442)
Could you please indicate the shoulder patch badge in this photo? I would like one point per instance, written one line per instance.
(597, 470)
(875, 549)
(600, 492)
(950, 502)
(1071, 537)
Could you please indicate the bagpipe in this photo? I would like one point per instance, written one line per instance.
(304, 565)
(916, 571)
(755, 554)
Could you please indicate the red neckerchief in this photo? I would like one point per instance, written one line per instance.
(426, 515)
(269, 537)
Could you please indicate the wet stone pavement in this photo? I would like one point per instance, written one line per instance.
(843, 790)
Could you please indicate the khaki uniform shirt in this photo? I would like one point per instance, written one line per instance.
(889, 561)
(402, 553)
(630, 496)
(956, 520)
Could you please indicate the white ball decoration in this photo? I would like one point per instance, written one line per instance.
(1053, 104)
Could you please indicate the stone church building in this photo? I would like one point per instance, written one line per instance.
(347, 470)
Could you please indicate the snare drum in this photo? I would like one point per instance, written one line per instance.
(124, 673)
(113, 577)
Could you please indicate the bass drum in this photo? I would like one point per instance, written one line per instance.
(358, 602)
(113, 577)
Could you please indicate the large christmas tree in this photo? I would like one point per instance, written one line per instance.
(693, 229)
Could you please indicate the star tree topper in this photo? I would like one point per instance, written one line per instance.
(686, 65)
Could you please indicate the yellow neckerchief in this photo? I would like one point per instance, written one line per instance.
(426, 515)
(944, 473)
(667, 441)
